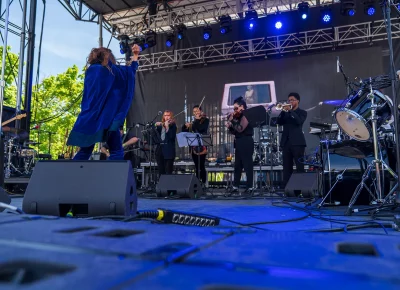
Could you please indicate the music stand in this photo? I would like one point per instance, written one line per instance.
(151, 135)
(257, 117)
(194, 140)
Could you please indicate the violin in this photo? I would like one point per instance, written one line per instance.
(234, 115)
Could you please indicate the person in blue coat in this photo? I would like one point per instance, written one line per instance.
(165, 153)
(107, 96)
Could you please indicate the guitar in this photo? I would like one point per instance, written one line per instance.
(18, 117)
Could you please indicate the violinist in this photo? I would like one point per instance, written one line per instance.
(199, 125)
(239, 126)
(165, 153)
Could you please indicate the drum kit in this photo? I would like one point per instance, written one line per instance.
(365, 118)
(19, 157)
(267, 151)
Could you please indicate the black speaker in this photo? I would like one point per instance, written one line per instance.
(4, 198)
(182, 185)
(303, 184)
(89, 188)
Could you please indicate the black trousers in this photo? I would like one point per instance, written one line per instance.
(202, 175)
(290, 153)
(244, 148)
(165, 166)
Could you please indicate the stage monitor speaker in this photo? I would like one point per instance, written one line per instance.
(4, 198)
(182, 185)
(303, 185)
(88, 188)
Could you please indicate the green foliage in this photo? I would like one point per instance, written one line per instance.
(55, 104)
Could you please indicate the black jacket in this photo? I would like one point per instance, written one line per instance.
(292, 123)
(168, 145)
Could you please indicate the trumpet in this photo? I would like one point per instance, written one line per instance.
(283, 107)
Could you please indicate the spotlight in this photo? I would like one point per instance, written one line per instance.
(326, 15)
(348, 7)
(369, 8)
(251, 17)
(303, 8)
(150, 39)
(141, 43)
(225, 23)
(170, 40)
(278, 25)
(123, 44)
(207, 33)
(181, 28)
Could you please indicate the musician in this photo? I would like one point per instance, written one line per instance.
(293, 142)
(165, 152)
(107, 96)
(129, 140)
(239, 126)
(199, 125)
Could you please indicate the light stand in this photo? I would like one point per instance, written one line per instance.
(386, 13)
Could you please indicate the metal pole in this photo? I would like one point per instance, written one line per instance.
(2, 85)
(21, 63)
(100, 30)
(30, 63)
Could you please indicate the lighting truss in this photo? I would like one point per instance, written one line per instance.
(340, 36)
(192, 13)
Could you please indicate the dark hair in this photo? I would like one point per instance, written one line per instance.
(197, 106)
(121, 128)
(241, 102)
(101, 56)
(296, 95)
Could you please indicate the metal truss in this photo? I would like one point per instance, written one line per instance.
(367, 32)
(81, 12)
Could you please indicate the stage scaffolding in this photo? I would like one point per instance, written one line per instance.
(328, 38)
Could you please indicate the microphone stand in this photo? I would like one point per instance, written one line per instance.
(149, 129)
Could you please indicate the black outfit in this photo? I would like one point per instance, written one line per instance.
(199, 126)
(130, 154)
(293, 142)
(244, 148)
(165, 152)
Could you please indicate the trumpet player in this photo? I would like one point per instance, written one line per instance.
(293, 142)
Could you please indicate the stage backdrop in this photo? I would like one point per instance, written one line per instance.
(313, 76)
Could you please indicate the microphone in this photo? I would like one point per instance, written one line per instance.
(337, 65)
(271, 106)
(159, 113)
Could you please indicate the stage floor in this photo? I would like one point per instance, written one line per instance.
(281, 251)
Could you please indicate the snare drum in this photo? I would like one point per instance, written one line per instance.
(354, 117)
(27, 153)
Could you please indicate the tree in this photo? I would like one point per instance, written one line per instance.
(55, 106)
(10, 77)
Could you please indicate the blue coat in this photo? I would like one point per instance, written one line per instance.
(107, 97)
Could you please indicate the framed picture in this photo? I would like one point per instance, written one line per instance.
(254, 93)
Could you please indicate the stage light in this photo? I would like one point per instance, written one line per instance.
(326, 15)
(225, 24)
(303, 9)
(180, 31)
(369, 7)
(207, 33)
(251, 17)
(150, 39)
(123, 44)
(170, 40)
(140, 41)
(278, 25)
(348, 7)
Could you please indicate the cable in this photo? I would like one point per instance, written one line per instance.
(350, 227)
(11, 207)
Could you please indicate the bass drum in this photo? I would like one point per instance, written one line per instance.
(354, 116)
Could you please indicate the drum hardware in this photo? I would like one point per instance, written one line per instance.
(339, 178)
(376, 162)
(10, 166)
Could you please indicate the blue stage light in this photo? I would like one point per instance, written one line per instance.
(371, 11)
(351, 12)
(304, 16)
(180, 36)
(278, 25)
(326, 18)
(168, 43)
(223, 30)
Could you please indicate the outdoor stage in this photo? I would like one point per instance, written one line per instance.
(105, 254)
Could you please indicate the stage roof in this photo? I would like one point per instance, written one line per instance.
(131, 17)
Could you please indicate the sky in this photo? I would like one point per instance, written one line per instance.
(66, 41)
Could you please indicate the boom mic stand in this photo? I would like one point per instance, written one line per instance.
(386, 13)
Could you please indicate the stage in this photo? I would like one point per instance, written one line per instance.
(286, 252)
